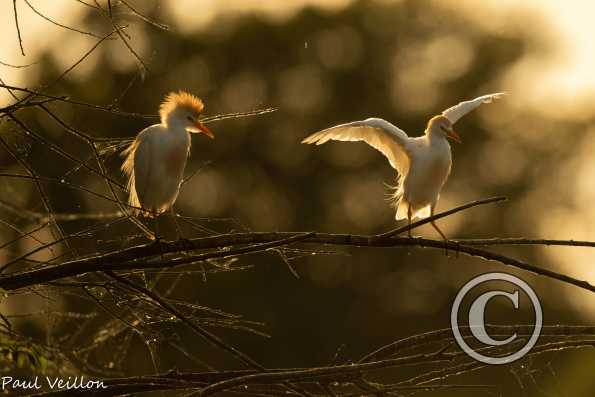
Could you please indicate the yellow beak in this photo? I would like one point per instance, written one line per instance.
(452, 134)
(202, 128)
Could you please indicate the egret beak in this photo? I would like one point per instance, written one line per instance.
(453, 135)
(203, 129)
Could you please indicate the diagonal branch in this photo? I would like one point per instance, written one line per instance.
(210, 337)
(403, 229)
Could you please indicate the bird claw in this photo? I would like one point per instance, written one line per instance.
(450, 243)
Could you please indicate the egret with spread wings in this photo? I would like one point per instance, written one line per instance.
(423, 163)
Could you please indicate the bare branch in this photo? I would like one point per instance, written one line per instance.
(441, 215)
(446, 334)
(128, 259)
(219, 117)
(17, 66)
(16, 22)
(57, 23)
(144, 17)
(210, 337)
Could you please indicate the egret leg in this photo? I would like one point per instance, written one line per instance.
(146, 277)
(187, 244)
(434, 225)
(409, 220)
(174, 216)
(155, 224)
(439, 231)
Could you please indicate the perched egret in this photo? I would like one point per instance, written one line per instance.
(423, 163)
(156, 159)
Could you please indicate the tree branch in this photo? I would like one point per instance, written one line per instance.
(130, 258)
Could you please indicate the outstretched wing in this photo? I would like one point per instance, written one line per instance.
(391, 141)
(456, 112)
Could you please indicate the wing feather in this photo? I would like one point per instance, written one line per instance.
(383, 136)
(128, 169)
(456, 112)
(137, 166)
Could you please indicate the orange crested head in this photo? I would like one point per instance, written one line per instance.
(181, 100)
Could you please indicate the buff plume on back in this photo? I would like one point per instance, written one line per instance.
(155, 161)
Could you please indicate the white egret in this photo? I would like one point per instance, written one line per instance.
(156, 159)
(423, 163)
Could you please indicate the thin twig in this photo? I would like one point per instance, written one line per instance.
(59, 24)
(219, 117)
(325, 372)
(446, 334)
(17, 66)
(207, 335)
(16, 22)
(57, 149)
(524, 241)
(144, 17)
(210, 337)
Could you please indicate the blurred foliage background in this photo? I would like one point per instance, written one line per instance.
(322, 64)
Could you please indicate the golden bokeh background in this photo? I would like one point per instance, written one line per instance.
(322, 62)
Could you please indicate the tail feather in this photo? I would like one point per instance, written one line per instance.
(396, 199)
(401, 205)
(402, 208)
(128, 169)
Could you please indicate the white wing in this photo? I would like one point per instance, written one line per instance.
(380, 134)
(137, 165)
(456, 112)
